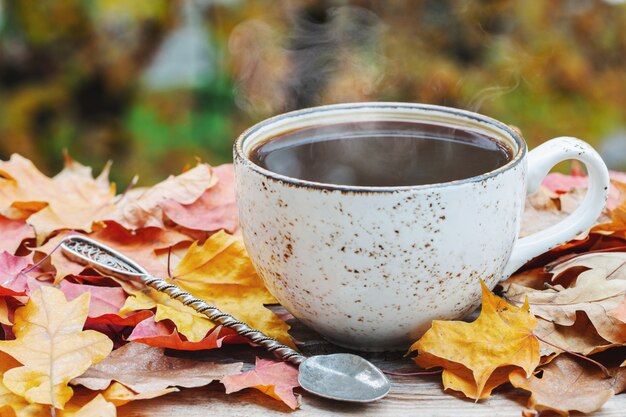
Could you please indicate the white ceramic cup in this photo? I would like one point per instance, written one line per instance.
(370, 267)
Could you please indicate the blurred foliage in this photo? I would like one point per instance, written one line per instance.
(152, 84)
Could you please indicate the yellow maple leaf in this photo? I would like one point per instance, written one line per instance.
(476, 356)
(220, 272)
(52, 347)
(192, 324)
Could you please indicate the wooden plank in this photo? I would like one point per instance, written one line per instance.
(410, 396)
(415, 396)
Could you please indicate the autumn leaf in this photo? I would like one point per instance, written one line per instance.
(118, 394)
(52, 347)
(71, 200)
(545, 208)
(13, 280)
(581, 337)
(502, 335)
(140, 245)
(164, 334)
(616, 227)
(620, 311)
(99, 406)
(221, 273)
(188, 322)
(570, 384)
(144, 368)
(104, 304)
(12, 404)
(598, 289)
(5, 312)
(215, 209)
(13, 233)
(276, 379)
(144, 207)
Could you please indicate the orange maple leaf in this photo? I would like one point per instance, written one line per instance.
(276, 379)
(477, 357)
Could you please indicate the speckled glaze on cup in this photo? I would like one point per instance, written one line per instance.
(370, 267)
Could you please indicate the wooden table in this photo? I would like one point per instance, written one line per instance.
(421, 396)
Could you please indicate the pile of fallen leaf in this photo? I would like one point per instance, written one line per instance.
(80, 343)
(77, 343)
(559, 329)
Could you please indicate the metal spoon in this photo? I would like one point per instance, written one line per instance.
(340, 376)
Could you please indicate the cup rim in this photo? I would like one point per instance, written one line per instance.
(457, 114)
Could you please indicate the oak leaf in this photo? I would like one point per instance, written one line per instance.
(11, 404)
(501, 336)
(71, 200)
(581, 337)
(276, 379)
(143, 207)
(570, 384)
(215, 209)
(595, 291)
(221, 273)
(51, 346)
(144, 368)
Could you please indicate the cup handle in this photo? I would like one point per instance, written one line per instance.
(540, 162)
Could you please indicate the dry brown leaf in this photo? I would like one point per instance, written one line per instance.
(501, 336)
(145, 368)
(119, 394)
(52, 347)
(595, 291)
(546, 208)
(581, 337)
(570, 384)
(144, 207)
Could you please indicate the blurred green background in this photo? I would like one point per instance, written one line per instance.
(153, 84)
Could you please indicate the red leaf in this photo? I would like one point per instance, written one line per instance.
(13, 232)
(276, 379)
(164, 334)
(105, 304)
(561, 184)
(215, 209)
(12, 280)
(104, 300)
(141, 244)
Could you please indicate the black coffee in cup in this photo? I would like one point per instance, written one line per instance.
(375, 153)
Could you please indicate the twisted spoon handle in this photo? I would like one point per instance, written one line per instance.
(108, 261)
(214, 314)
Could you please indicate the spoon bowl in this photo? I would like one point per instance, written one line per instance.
(343, 377)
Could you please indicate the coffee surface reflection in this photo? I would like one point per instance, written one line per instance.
(380, 154)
